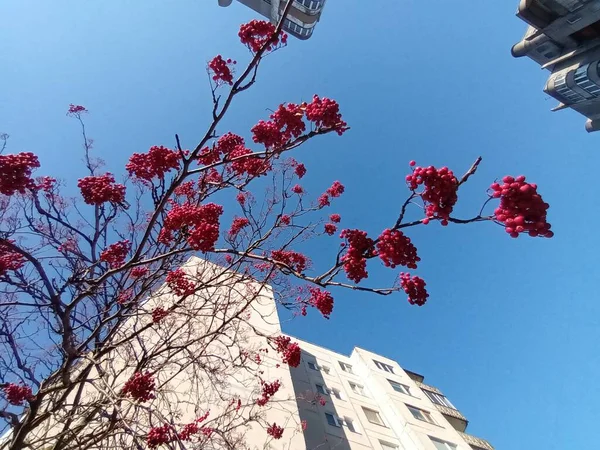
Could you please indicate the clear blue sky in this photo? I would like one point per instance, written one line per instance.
(511, 330)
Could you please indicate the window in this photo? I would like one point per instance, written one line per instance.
(314, 366)
(398, 387)
(438, 399)
(420, 414)
(387, 446)
(373, 416)
(581, 79)
(332, 420)
(357, 388)
(338, 422)
(321, 389)
(442, 445)
(383, 366)
(346, 367)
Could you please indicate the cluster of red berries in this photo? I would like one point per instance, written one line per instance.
(76, 110)
(439, 193)
(336, 189)
(237, 225)
(96, 190)
(335, 218)
(294, 260)
(193, 428)
(248, 163)
(179, 282)
(286, 122)
(396, 249)
(160, 435)
(45, 184)
(330, 228)
(268, 391)
(323, 201)
(159, 314)
(124, 297)
(16, 394)
(322, 300)
(257, 33)
(290, 351)
(522, 209)
(300, 170)
(297, 189)
(415, 289)
(285, 219)
(15, 172)
(201, 223)
(360, 247)
(114, 255)
(155, 164)
(139, 271)
(9, 259)
(325, 114)
(140, 387)
(275, 431)
(222, 69)
(223, 147)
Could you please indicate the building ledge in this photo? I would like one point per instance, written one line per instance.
(476, 442)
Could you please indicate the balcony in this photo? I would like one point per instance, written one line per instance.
(476, 443)
(452, 415)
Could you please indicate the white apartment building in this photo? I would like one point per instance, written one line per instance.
(371, 402)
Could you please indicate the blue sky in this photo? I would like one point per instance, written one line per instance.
(510, 332)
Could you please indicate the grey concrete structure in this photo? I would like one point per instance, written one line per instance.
(564, 37)
(301, 20)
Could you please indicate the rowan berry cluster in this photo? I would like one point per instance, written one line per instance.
(396, 249)
(96, 190)
(15, 172)
(294, 260)
(439, 193)
(222, 69)
(415, 288)
(322, 300)
(140, 387)
(522, 209)
(355, 259)
(155, 164)
(114, 255)
(179, 282)
(257, 33)
(16, 394)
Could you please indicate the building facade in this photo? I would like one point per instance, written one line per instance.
(373, 403)
(564, 37)
(301, 19)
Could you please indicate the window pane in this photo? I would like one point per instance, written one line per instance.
(372, 416)
(442, 445)
(388, 446)
(399, 387)
(321, 389)
(331, 420)
(312, 366)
